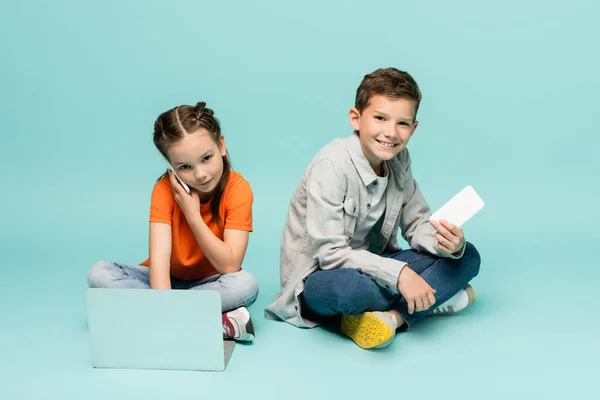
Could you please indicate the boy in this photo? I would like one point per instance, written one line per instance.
(339, 252)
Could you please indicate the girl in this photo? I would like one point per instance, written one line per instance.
(197, 240)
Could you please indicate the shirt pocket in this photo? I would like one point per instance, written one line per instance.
(350, 216)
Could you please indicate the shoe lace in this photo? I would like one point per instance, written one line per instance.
(440, 309)
(443, 309)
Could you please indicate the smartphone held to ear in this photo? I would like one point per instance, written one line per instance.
(186, 187)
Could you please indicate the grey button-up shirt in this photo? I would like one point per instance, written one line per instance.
(330, 201)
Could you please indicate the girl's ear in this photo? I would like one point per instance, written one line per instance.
(222, 146)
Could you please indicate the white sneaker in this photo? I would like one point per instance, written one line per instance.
(370, 330)
(461, 300)
(237, 325)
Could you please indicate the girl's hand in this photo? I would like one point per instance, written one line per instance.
(189, 203)
(450, 238)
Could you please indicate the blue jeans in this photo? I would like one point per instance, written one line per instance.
(239, 289)
(328, 294)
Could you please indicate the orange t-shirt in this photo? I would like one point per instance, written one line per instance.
(187, 258)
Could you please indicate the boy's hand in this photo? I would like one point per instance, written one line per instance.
(189, 203)
(418, 294)
(450, 238)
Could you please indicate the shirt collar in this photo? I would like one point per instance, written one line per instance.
(365, 171)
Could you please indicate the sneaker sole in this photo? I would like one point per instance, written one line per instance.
(366, 329)
(471, 293)
(248, 335)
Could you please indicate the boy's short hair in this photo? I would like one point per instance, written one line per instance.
(389, 82)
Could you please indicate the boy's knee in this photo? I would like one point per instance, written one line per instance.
(334, 282)
(97, 274)
(471, 259)
(342, 288)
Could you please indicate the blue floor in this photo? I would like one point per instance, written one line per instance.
(520, 339)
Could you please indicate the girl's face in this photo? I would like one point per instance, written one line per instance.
(198, 161)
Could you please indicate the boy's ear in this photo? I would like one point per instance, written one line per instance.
(414, 127)
(354, 117)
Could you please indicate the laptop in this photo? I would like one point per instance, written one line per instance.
(157, 329)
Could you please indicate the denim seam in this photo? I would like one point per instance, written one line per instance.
(418, 257)
(431, 268)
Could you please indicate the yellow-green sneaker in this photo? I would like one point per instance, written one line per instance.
(372, 329)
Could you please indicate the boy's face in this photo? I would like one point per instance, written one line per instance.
(384, 128)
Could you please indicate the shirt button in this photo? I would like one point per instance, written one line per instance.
(375, 183)
(368, 205)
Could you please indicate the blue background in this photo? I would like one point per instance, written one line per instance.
(510, 107)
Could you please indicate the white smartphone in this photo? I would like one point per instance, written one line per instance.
(460, 208)
(186, 187)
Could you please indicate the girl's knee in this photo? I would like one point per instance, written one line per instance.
(249, 282)
(97, 275)
(242, 281)
(238, 289)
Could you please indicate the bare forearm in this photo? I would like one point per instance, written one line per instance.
(216, 251)
(159, 279)
(160, 255)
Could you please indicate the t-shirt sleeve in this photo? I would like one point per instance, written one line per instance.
(163, 202)
(238, 206)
